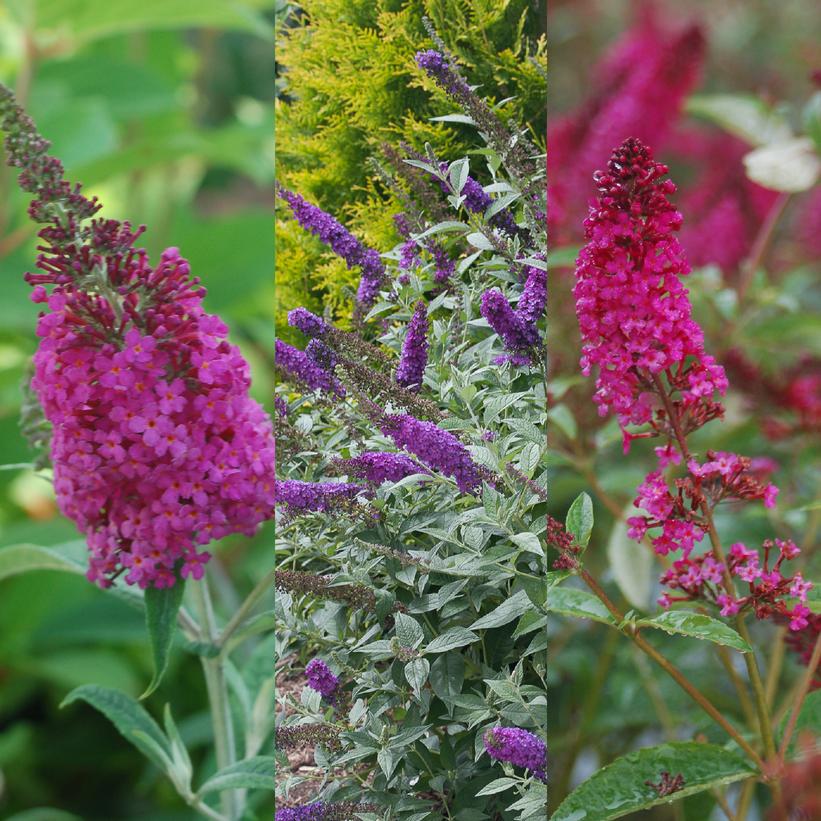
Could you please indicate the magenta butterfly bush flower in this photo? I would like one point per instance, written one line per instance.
(518, 747)
(344, 244)
(414, 357)
(639, 89)
(321, 679)
(634, 313)
(157, 447)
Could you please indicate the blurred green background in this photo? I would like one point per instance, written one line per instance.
(163, 109)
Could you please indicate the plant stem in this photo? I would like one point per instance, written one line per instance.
(759, 696)
(806, 683)
(216, 686)
(760, 245)
(265, 584)
(672, 671)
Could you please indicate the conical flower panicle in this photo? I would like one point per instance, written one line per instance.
(156, 445)
(414, 357)
(633, 310)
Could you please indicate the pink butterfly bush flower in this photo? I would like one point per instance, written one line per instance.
(652, 370)
(157, 447)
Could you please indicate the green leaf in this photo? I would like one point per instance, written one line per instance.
(458, 174)
(570, 601)
(632, 566)
(416, 674)
(698, 626)
(22, 558)
(746, 116)
(791, 165)
(408, 631)
(447, 674)
(453, 118)
(129, 717)
(443, 227)
(508, 610)
(619, 789)
(161, 609)
(529, 542)
(451, 639)
(480, 241)
(499, 785)
(579, 519)
(255, 773)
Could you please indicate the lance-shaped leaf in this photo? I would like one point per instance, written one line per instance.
(698, 626)
(621, 788)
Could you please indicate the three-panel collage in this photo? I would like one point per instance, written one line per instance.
(410, 410)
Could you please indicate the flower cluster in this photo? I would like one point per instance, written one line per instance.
(518, 747)
(477, 201)
(343, 243)
(439, 449)
(316, 496)
(701, 578)
(157, 447)
(299, 581)
(516, 151)
(322, 811)
(414, 357)
(633, 310)
(444, 266)
(299, 366)
(321, 679)
(518, 327)
(295, 735)
(378, 467)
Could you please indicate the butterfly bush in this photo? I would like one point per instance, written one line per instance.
(637, 327)
(157, 447)
(441, 428)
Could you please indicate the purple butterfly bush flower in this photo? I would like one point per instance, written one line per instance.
(321, 354)
(517, 327)
(321, 679)
(315, 496)
(342, 242)
(438, 68)
(518, 747)
(437, 448)
(316, 811)
(309, 323)
(516, 335)
(414, 357)
(378, 467)
(533, 300)
(301, 367)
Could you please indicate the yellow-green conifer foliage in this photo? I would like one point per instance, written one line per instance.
(347, 82)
